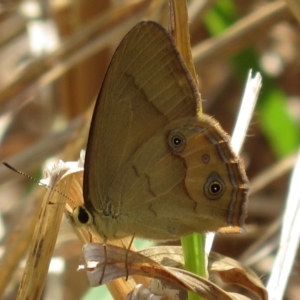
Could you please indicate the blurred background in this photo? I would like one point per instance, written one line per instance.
(53, 57)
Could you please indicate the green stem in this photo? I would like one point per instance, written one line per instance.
(194, 256)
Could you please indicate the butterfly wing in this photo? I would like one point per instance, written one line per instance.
(146, 87)
(197, 185)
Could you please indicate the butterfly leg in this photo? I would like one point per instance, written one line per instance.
(105, 259)
(126, 257)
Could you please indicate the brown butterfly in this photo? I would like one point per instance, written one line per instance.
(153, 167)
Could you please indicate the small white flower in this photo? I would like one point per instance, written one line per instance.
(55, 171)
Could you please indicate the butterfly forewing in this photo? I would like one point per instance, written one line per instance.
(146, 87)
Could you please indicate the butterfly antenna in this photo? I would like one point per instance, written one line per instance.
(20, 172)
(35, 180)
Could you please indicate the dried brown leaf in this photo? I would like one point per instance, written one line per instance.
(139, 264)
(231, 271)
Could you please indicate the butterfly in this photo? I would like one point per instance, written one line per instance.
(154, 167)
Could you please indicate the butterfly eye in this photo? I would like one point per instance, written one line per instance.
(81, 216)
(214, 186)
(176, 141)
